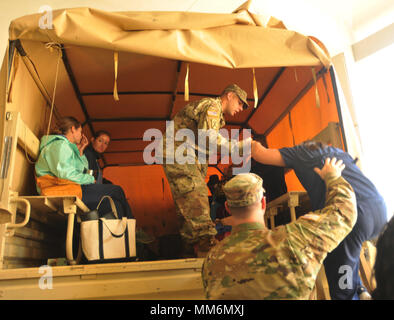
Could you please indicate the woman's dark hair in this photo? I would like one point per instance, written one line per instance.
(65, 124)
(313, 145)
(100, 133)
(384, 264)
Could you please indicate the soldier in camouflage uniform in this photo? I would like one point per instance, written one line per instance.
(257, 263)
(187, 181)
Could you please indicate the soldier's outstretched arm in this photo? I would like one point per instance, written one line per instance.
(322, 230)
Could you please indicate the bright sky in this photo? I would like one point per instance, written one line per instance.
(375, 112)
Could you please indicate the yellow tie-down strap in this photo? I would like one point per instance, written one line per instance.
(116, 59)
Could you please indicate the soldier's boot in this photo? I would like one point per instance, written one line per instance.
(202, 247)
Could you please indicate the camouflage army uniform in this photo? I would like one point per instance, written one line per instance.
(187, 181)
(257, 263)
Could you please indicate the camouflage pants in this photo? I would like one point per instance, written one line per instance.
(189, 190)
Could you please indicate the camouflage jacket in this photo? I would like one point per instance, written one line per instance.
(205, 114)
(257, 263)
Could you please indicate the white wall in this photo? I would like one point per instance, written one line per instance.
(373, 88)
(312, 18)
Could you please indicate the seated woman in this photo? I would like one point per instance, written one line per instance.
(99, 143)
(62, 169)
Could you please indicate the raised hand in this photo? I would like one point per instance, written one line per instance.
(83, 144)
(332, 167)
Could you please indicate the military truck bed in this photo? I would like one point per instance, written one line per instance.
(165, 279)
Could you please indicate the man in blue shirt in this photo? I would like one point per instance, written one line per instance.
(371, 208)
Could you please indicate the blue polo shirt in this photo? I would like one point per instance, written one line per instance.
(303, 160)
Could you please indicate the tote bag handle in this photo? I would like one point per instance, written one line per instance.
(113, 207)
(124, 225)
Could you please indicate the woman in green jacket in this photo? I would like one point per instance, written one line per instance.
(61, 157)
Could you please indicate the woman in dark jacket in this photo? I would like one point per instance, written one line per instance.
(99, 143)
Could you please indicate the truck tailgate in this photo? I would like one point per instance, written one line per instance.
(164, 279)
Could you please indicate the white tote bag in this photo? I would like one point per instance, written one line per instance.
(104, 239)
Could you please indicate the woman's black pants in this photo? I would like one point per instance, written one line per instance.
(92, 194)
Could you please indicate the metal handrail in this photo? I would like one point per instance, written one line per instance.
(27, 214)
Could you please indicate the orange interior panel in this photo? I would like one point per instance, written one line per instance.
(286, 89)
(149, 195)
(308, 119)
